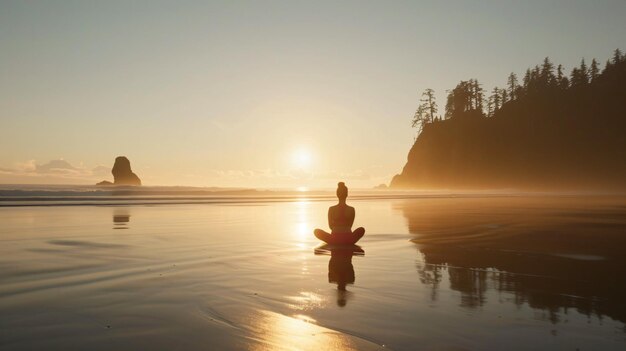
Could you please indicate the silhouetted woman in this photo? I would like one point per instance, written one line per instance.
(340, 220)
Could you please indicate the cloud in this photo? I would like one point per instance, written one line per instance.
(53, 171)
(26, 166)
(101, 171)
(61, 171)
(57, 167)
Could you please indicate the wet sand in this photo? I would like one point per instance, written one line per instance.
(436, 273)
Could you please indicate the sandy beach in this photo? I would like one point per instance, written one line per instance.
(436, 273)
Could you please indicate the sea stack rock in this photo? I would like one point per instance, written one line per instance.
(122, 174)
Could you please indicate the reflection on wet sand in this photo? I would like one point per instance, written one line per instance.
(121, 218)
(340, 268)
(279, 332)
(553, 254)
(236, 277)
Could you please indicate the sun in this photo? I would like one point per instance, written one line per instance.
(302, 159)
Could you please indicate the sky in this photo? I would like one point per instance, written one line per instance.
(264, 94)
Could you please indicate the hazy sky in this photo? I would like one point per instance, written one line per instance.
(259, 93)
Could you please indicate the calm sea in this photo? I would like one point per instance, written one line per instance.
(243, 271)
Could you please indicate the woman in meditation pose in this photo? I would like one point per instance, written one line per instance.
(340, 220)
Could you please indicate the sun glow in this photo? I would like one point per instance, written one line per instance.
(302, 159)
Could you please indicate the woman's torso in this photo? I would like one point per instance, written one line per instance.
(342, 218)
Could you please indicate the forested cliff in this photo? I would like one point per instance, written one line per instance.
(550, 132)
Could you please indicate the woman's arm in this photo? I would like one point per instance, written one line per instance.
(330, 219)
(352, 215)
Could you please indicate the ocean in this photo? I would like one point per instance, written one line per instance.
(162, 269)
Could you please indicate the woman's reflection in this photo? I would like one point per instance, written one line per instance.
(340, 268)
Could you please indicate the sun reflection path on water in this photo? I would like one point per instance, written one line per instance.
(303, 231)
(279, 332)
(303, 228)
(275, 331)
(306, 300)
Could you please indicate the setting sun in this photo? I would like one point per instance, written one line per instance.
(302, 159)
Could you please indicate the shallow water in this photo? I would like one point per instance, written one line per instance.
(436, 273)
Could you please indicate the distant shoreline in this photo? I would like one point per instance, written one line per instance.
(20, 198)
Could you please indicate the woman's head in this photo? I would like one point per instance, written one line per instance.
(342, 191)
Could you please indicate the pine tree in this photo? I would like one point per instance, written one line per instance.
(430, 104)
(449, 104)
(579, 76)
(527, 77)
(419, 118)
(607, 66)
(477, 95)
(466, 96)
(561, 80)
(496, 99)
(575, 77)
(594, 71)
(426, 111)
(584, 72)
(490, 109)
(535, 74)
(503, 97)
(547, 75)
(513, 86)
(617, 56)
(534, 79)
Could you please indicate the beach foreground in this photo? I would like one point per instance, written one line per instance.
(435, 273)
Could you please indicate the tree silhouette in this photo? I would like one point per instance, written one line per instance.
(526, 81)
(466, 96)
(490, 107)
(540, 80)
(495, 100)
(426, 111)
(561, 80)
(618, 57)
(513, 86)
(547, 74)
(539, 133)
(419, 118)
(504, 98)
(594, 70)
(580, 76)
(431, 105)
(476, 94)
(607, 66)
